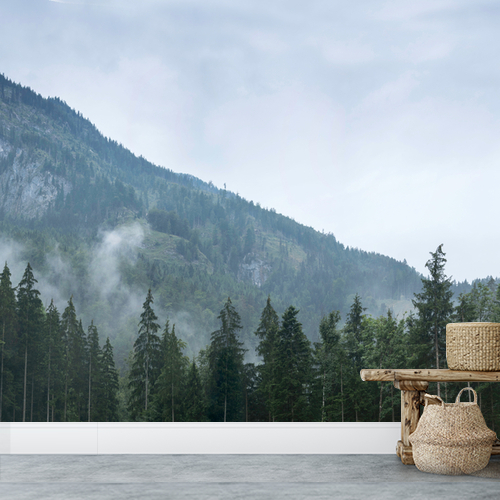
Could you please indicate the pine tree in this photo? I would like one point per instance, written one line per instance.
(194, 399)
(69, 326)
(170, 384)
(388, 347)
(94, 373)
(328, 355)
(495, 310)
(75, 366)
(203, 369)
(354, 339)
(80, 367)
(146, 362)
(435, 308)
(293, 371)
(482, 298)
(108, 405)
(253, 402)
(465, 311)
(8, 324)
(226, 368)
(53, 358)
(30, 324)
(267, 331)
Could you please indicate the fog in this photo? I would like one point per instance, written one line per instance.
(100, 290)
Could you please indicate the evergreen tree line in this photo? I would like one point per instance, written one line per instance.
(50, 368)
(296, 381)
(300, 381)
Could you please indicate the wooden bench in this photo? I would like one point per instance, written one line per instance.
(413, 384)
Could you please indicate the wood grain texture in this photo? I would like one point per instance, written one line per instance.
(429, 375)
(410, 414)
(405, 453)
(411, 385)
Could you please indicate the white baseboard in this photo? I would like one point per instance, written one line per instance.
(199, 438)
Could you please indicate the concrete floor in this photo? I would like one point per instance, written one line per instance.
(291, 477)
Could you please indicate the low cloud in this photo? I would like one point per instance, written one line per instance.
(100, 289)
(114, 248)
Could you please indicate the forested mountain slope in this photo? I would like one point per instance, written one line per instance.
(102, 225)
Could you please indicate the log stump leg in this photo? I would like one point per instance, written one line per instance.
(411, 396)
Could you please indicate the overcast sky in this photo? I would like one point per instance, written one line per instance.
(377, 121)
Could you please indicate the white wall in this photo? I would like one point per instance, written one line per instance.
(193, 438)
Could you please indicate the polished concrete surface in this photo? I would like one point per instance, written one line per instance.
(291, 477)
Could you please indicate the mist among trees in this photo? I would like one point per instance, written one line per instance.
(54, 369)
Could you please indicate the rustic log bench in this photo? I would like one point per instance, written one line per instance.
(413, 384)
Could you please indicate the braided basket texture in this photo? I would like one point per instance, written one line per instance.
(473, 346)
(452, 438)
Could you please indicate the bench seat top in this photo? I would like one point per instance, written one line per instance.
(429, 375)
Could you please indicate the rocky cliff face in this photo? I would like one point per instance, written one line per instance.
(254, 269)
(26, 190)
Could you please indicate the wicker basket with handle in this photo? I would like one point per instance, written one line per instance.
(473, 346)
(452, 438)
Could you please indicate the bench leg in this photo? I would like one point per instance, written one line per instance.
(404, 453)
(411, 394)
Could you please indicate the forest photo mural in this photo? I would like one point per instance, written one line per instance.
(133, 293)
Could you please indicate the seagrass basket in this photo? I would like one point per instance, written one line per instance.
(452, 438)
(473, 346)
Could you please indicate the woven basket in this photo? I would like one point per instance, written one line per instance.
(452, 438)
(473, 346)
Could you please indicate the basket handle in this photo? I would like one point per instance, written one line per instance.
(432, 396)
(467, 389)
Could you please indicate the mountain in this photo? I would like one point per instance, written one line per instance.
(102, 225)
